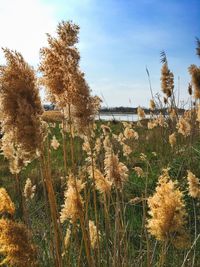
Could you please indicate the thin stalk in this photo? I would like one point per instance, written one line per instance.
(163, 254)
(80, 253)
(71, 140)
(95, 212)
(117, 252)
(20, 195)
(47, 212)
(64, 146)
(107, 228)
(54, 211)
(194, 244)
(87, 242)
(195, 232)
(144, 210)
(149, 79)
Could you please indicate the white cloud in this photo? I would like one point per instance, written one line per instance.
(23, 27)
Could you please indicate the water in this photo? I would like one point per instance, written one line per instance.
(118, 116)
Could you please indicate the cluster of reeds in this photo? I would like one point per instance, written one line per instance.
(98, 206)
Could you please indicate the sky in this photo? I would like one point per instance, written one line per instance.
(118, 40)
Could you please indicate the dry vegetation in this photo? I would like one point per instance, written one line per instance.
(75, 192)
(52, 116)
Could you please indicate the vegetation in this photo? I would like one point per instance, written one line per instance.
(80, 192)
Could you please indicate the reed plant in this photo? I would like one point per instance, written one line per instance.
(95, 193)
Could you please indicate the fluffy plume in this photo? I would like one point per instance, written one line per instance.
(194, 185)
(172, 139)
(167, 80)
(67, 238)
(152, 104)
(115, 171)
(59, 62)
(141, 113)
(29, 189)
(139, 171)
(130, 133)
(84, 106)
(64, 80)
(143, 157)
(184, 127)
(15, 245)
(126, 150)
(195, 73)
(6, 204)
(20, 110)
(152, 124)
(73, 205)
(54, 143)
(93, 234)
(103, 185)
(167, 211)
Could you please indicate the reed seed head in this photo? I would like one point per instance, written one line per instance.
(21, 109)
(54, 143)
(167, 211)
(115, 171)
(167, 80)
(141, 113)
(194, 185)
(172, 139)
(6, 204)
(93, 234)
(29, 190)
(73, 204)
(15, 245)
(184, 127)
(195, 73)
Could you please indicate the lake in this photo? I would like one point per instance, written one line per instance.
(118, 116)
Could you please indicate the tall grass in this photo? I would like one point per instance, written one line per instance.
(95, 193)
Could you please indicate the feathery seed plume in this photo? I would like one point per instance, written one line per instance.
(167, 78)
(184, 127)
(54, 143)
(172, 139)
(29, 190)
(15, 245)
(73, 201)
(6, 204)
(195, 73)
(93, 234)
(115, 171)
(167, 211)
(152, 104)
(20, 109)
(139, 171)
(141, 113)
(64, 80)
(130, 133)
(194, 185)
(103, 185)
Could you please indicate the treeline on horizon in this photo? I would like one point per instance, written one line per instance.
(133, 110)
(122, 109)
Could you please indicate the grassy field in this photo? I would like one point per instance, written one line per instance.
(158, 153)
(79, 192)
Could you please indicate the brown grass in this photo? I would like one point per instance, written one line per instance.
(52, 116)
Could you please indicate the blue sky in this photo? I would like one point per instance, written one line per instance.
(118, 39)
